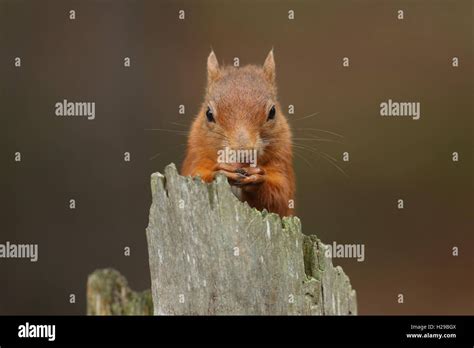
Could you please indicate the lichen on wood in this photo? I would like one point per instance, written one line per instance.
(108, 294)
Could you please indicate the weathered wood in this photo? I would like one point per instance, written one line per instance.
(108, 294)
(211, 254)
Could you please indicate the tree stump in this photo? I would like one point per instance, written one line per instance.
(211, 254)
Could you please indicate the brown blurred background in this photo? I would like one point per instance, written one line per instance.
(407, 251)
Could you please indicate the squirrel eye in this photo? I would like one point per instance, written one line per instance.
(271, 113)
(209, 115)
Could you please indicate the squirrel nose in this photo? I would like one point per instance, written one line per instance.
(243, 139)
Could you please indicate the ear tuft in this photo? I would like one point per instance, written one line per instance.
(212, 67)
(269, 67)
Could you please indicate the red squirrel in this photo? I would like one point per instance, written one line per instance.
(241, 112)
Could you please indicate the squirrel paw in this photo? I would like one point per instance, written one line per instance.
(241, 176)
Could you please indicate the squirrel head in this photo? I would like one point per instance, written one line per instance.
(241, 110)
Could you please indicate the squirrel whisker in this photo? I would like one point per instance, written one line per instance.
(320, 130)
(308, 116)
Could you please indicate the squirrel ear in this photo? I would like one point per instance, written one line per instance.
(269, 67)
(212, 67)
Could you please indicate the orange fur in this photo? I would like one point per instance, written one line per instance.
(240, 99)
